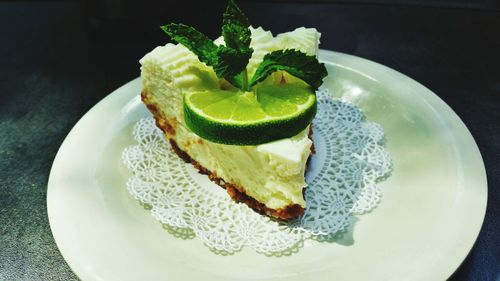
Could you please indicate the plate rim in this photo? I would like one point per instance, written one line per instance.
(323, 55)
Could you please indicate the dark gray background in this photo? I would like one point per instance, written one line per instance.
(58, 59)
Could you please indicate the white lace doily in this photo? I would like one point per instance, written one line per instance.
(342, 176)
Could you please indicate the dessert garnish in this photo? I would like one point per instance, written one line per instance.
(252, 109)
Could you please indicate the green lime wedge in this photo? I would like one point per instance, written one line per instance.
(270, 113)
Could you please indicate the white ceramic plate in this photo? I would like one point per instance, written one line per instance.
(429, 217)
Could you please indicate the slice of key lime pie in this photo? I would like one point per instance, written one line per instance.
(240, 107)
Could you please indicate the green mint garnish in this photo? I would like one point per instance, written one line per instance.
(237, 35)
(230, 61)
(226, 62)
(235, 29)
(294, 62)
(195, 41)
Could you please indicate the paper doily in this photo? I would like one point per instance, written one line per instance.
(342, 182)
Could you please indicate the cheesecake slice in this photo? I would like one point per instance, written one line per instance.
(268, 177)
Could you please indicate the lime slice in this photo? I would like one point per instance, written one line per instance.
(249, 118)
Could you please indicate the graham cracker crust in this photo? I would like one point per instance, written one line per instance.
(236, 192)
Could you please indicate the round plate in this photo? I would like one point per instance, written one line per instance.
(430, 214)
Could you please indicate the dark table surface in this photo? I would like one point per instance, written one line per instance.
(58, 59)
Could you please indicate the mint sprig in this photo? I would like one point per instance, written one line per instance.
(294, 62)
(229, 62)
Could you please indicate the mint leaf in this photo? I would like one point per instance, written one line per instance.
(294, 62)
(230, 64)
(235, 28)
(237, 36)
(226, 62)
(195, 41)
